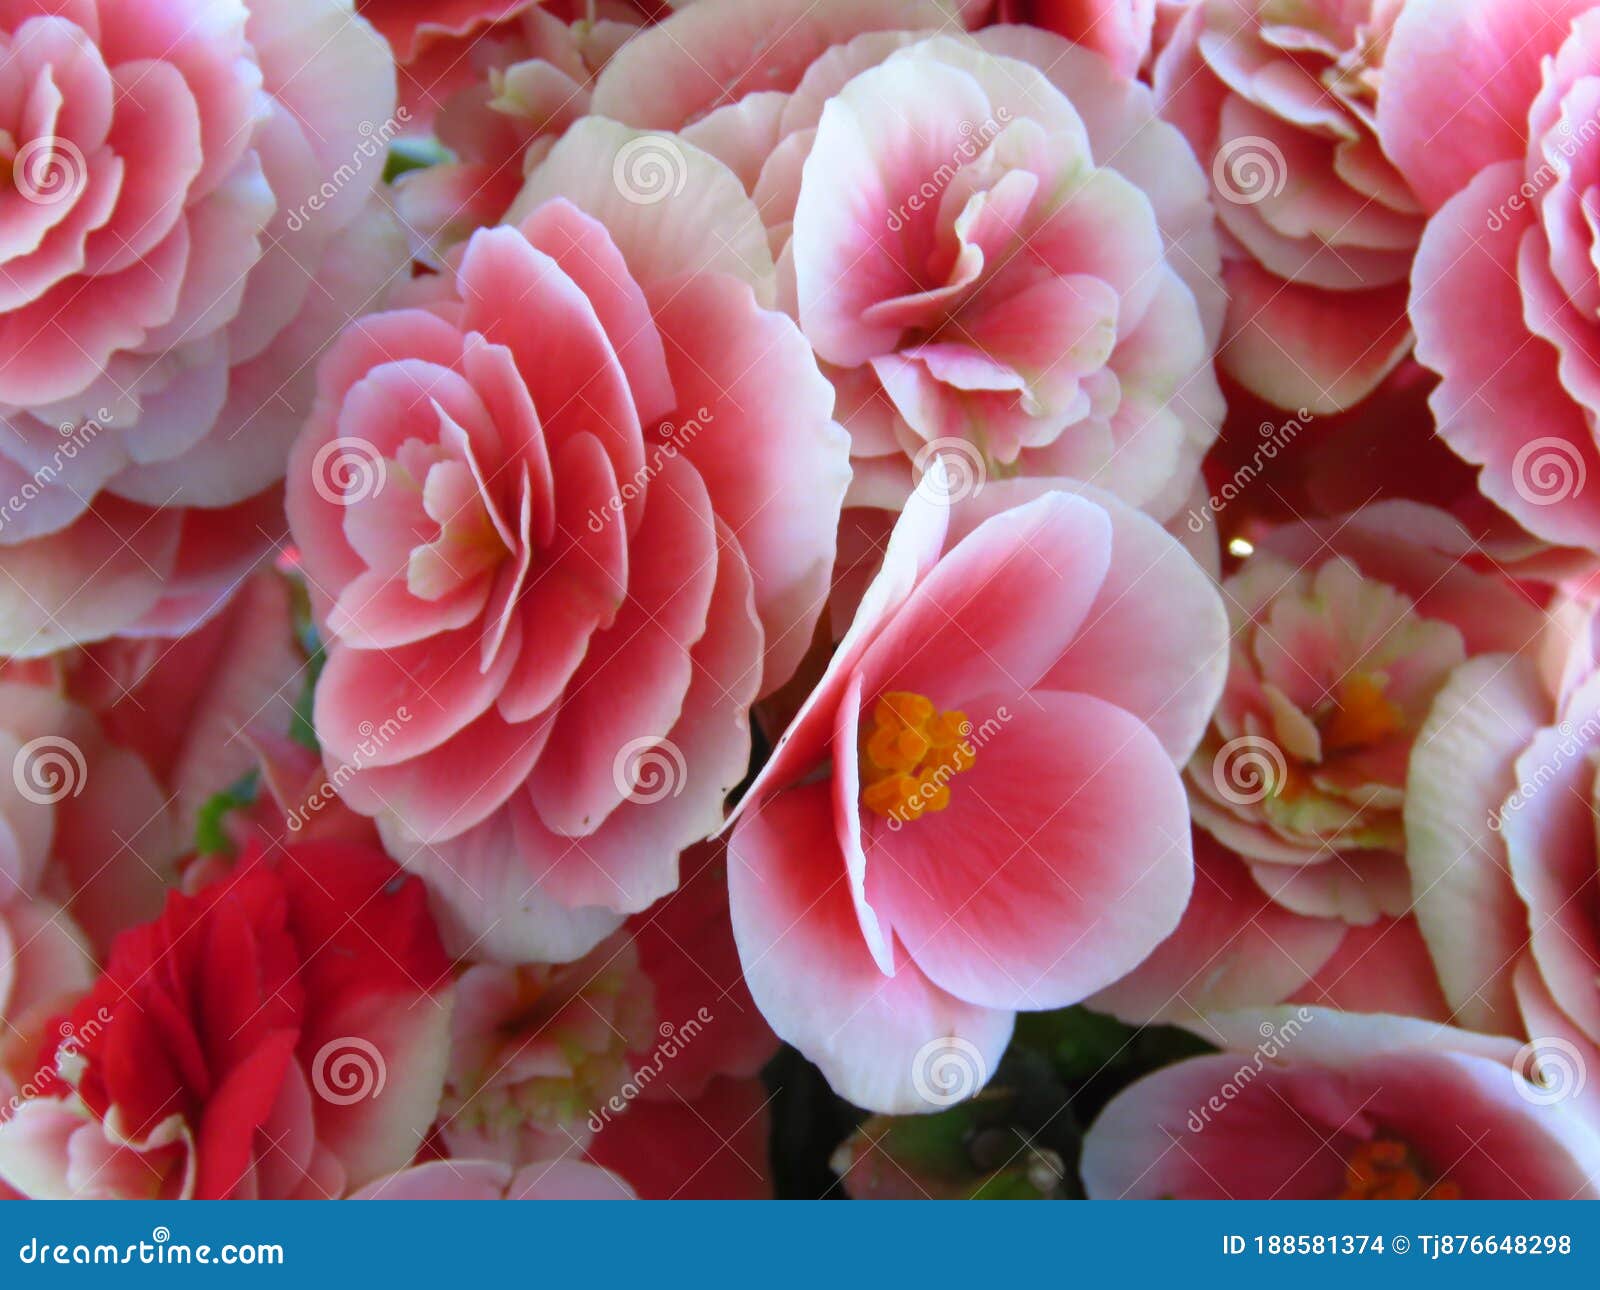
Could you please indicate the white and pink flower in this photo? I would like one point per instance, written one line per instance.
(979, 809)
(1331, 1106)
(186, 218)
(1344, 633)
(574, 509)
(1283, 102)
(1504, 297)
(994, 246)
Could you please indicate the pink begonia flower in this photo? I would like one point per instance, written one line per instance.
(575, 510)
(186, 217)
(1280, 100)
(995, 248)
(536, 1047)
(979, 809)
(544, 1057)
(1493, 120)
(1237, 947)
(498, 82)
(686, 948)
(503, 96)
(1312, 1104)
(491, 1180)
(44, 965)
(88, 841)
(1345, 632)
(84, 825)
(444, 46)
(194, 709)
(1502, 836)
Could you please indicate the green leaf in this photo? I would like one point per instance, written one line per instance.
(1083, 1045)
(1079, 1043)
(412, 154)
(210, 833)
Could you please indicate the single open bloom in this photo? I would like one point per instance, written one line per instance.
(563, 521)
(1345, 632)
(536, 1048)
(1331, 1106)
(650, 1041)
(992, 243)
(979, 809)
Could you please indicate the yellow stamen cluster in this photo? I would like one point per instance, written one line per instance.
(1361, 716)
(1385, 1169)
(909, 754)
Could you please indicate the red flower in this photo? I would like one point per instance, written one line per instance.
(281, 1033)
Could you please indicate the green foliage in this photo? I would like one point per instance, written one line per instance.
(1082, 1045)
(300, 729)
(210, 831)
(412, 154)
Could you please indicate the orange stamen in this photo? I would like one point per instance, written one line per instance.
(1387, 1169)
(909, 754)
(1361, 715)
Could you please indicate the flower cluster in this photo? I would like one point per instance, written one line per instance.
(626, 599)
